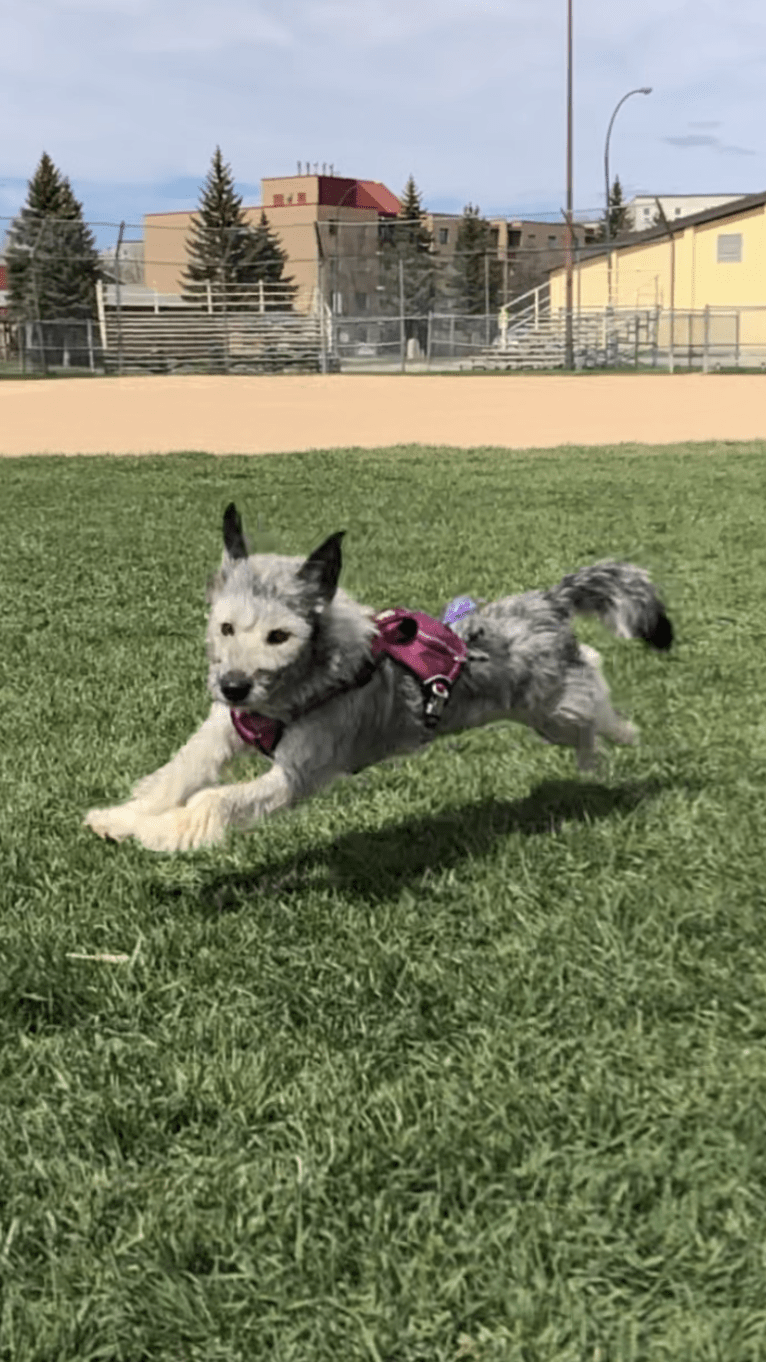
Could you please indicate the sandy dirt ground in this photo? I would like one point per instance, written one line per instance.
(264, 415)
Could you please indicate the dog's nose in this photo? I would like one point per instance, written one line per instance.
(235, 687)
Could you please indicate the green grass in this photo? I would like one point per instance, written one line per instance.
(465, 1060)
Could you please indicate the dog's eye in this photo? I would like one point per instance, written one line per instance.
(227, 628)
(278, 636)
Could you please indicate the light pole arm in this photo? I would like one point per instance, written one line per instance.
(641, 90)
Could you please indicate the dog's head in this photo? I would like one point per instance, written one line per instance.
(265, 617)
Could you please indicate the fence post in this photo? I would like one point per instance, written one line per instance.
(428, 339)
(117, 296)
(225, 320)
(321, 316)
(101, 312)
(402, 342)
(486, 298)
(706, 341)
(736, 339)
(90, 344)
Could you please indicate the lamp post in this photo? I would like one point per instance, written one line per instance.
(568, 324)
(642, 90)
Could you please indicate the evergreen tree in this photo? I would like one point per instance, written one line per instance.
(477, 272)
(267, 263)
(78, 266)
(620, 219)
(51, 256)
(227, 257)
(406, 238)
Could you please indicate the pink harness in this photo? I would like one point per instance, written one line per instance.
(425, 646)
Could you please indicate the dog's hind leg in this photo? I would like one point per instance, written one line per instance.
(584, 713)
(609, 724)
(195, 767)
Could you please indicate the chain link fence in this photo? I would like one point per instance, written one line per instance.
(355, 297)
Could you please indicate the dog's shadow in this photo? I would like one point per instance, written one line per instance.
(375, 864)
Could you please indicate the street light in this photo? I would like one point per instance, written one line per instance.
(642, 90)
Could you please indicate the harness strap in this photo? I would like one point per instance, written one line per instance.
(425, 646)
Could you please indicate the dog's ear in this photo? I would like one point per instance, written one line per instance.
(322, 569)
(233, 536)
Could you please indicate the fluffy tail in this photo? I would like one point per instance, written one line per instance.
(622, 597)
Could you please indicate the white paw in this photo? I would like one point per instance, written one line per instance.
(199, 823)
(114, 824)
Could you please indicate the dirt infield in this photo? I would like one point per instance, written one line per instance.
(263, 415)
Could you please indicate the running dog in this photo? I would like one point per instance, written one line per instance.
(325, 687)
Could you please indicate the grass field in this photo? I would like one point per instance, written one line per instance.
(464, 1061)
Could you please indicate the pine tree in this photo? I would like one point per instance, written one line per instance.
(477, 273)
(227, 257)
(267, 264)
(619, 214)
(406, 239)
(51, 258)
(77, 267)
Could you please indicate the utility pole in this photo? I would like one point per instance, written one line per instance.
(669, 230)
(568, 333)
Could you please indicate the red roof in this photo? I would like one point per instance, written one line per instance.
(339, 191)
(372, 194)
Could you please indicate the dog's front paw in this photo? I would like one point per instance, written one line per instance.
(114, 824)
(199, 823)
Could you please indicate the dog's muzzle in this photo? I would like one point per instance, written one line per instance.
(235, 687)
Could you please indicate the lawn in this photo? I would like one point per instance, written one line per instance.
(463, 1061)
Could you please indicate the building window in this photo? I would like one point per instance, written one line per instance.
(514, 238)
(552, 239)
(279, 200)
(301, 198)
(729, 248)
(443, 236)
(360, 302)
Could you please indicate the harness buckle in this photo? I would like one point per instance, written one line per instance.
(436, 695)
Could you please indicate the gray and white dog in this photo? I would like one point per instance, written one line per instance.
(285, 642)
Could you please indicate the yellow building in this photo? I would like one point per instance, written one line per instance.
(714, 259)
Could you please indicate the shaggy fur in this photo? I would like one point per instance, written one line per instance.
(285, 641)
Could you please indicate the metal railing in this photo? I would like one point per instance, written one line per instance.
(525, 335)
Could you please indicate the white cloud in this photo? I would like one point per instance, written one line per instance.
(468, 95)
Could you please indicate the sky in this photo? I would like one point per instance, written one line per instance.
(131, 97)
